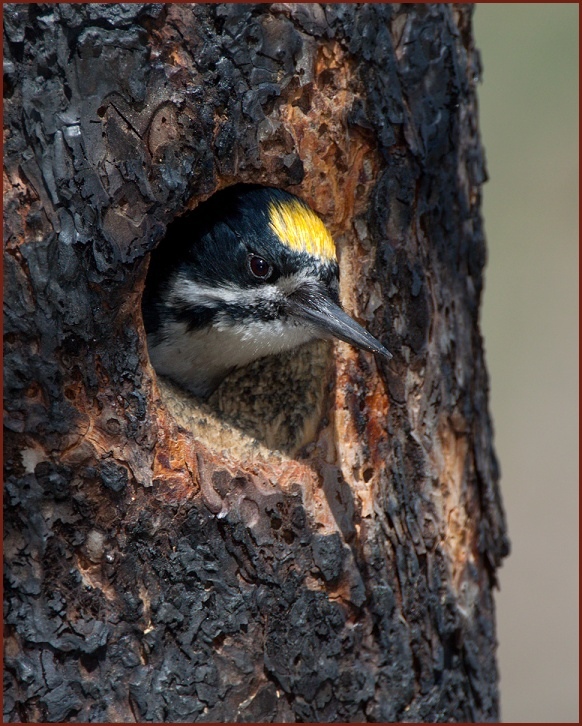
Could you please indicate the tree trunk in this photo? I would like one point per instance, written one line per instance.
(319, 541)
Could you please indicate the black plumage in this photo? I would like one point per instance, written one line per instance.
(248, 273)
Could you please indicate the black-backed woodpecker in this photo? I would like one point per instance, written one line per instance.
(251, 272)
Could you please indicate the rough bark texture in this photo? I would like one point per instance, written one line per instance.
(152, 576)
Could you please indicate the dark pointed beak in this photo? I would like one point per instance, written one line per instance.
(316, 308)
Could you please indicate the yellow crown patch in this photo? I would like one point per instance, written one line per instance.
(298, 227)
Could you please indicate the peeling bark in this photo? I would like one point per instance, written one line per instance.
(323, 550)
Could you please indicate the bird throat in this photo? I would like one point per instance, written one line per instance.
(199, 360)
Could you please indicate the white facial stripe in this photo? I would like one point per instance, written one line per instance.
(195, 293)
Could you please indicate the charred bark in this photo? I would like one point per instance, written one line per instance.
(324, 561)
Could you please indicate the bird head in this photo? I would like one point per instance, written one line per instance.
(251, 272)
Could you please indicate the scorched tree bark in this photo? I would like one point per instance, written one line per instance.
(320, 542)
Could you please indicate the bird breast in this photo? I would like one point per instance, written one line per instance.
(199, 360)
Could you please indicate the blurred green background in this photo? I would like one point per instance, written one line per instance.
(528, 103)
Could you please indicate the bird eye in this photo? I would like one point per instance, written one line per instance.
(259, 267)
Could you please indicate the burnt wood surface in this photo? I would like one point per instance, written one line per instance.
(150, 576)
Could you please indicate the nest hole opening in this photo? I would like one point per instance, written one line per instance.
(273, 406)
